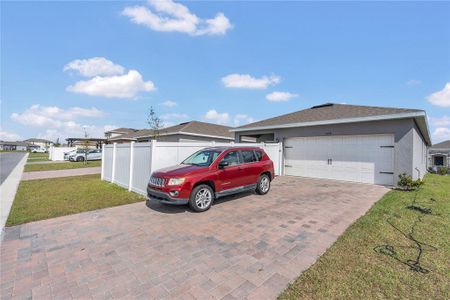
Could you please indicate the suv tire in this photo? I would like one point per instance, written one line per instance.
(263, 185)
(201, 198)
(80, 158)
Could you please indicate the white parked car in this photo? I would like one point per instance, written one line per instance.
(80, 155)
(68, 154)
(39, 150)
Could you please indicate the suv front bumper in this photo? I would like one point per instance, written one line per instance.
(164, 197)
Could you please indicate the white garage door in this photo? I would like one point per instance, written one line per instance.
(359, 158)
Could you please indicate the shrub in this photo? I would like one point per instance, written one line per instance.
(443, 171)
(407, 183)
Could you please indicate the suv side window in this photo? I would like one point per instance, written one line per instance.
(232, 158)
(248, 156)
(258, 154)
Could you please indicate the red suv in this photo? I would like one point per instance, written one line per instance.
(212, 173)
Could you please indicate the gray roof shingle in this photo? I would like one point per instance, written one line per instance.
(442, 145)
(328, 111)
(193, 127)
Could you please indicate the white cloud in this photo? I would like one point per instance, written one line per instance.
(242, 119)
(169, 103)
(216, 117)
(58, 122)
(280, 96)
(53, 116)
(107, 79)
(96, 66)
(441, 121)
(442, 97)
(441, 134)
(413, 82)
(246, 81)
(226, 119)
(121, 86)
(9, 136)
(169, 16)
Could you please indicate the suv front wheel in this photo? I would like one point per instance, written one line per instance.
(263, 185)
(201, 198)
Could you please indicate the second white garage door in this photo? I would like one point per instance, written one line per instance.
(358, 158)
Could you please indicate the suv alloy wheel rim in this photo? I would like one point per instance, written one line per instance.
(264, 185)
(203, 198)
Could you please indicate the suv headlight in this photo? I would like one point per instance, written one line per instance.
(176, 181)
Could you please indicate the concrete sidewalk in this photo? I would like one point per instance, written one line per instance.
(8, 190)
(60, 173)
(44, 162)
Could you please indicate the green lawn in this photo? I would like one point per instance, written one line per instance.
(362, 265)
(61, 166)
(50, 198)
(37, 157)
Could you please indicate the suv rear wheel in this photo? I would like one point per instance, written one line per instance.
(201, 198)
(263, 185)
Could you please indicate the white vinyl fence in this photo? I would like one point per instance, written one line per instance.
(57, 153)
(130, 165)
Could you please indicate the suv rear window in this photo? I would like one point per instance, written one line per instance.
(248, 156)
(258, 155)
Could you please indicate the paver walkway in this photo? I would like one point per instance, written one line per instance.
(246, 246)
(60, 173)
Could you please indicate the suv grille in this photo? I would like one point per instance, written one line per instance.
(157, 181)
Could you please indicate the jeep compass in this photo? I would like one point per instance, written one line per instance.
(212, 173)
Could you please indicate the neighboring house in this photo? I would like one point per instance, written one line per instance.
(193, 131)
(39, 143)
(118, 132)
(92, 143)
(13, 146)
(348, 142)
(439, 155)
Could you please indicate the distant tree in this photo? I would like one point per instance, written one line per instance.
(154, 122)
(85, 145)
(57, 143)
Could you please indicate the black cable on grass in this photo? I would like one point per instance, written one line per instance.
(421, 247)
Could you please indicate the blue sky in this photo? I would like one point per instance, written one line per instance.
(66, 66)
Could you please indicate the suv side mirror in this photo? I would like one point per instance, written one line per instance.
(223, 164)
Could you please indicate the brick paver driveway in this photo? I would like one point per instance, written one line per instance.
(246, 246)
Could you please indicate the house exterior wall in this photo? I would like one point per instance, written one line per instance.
(419, 155)
(406, 138)
(42, 145)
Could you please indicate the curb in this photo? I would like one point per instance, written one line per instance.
(8, 191)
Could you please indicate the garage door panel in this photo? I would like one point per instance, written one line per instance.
(359, 158)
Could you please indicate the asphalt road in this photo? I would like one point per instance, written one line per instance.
(8, 160)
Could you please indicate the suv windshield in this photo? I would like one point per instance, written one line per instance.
(203, 158)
